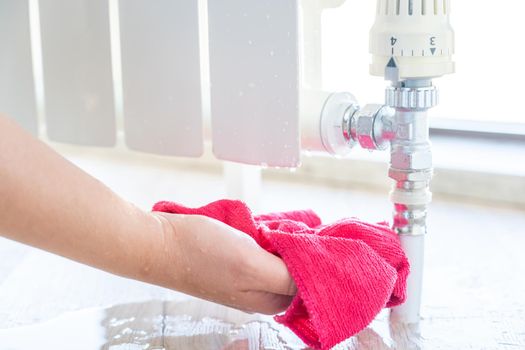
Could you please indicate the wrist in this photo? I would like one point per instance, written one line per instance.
(159, 265)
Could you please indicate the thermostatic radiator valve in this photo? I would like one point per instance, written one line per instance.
(411, 43)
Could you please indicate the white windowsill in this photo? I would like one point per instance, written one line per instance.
(487, 171)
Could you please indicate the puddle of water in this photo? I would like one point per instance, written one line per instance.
(80, 330)
(153, 325)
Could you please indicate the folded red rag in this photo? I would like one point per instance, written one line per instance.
(345, 272)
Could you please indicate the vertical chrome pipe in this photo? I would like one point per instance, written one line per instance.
(411, 169)
(403, 123)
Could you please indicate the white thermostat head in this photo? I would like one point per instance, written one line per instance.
(413, 38)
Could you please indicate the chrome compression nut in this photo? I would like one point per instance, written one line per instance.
(411, 98)
(399, 175)
(374, 127)
(411, 159)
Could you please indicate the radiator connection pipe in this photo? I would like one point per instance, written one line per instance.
(411, 42)
(402, 125)
(411, 170)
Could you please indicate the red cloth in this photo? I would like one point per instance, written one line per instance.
(345, 272)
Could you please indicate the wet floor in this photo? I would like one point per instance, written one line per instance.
(472, 296)
(152, 325)
(188, 325)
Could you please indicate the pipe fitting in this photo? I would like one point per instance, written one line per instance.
(411, 97)
(336, 123)
(344, 124)
(374, 128)
(399, 175)
(412, 159)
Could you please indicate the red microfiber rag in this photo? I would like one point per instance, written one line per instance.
(345, 272)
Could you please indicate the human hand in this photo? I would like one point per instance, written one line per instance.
(206, 258)
(74, 215)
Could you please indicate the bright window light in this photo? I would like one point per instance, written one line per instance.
(490, 59)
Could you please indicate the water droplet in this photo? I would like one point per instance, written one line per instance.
(126, 331)
(272, 53)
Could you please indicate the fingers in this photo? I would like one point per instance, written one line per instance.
(265, 303)
(278, 304)
(279, 279)
(227, 266)
(272, 275)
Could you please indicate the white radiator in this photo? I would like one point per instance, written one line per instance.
(169, 74)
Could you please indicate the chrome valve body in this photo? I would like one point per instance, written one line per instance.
(401, 123)
(411, 154)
